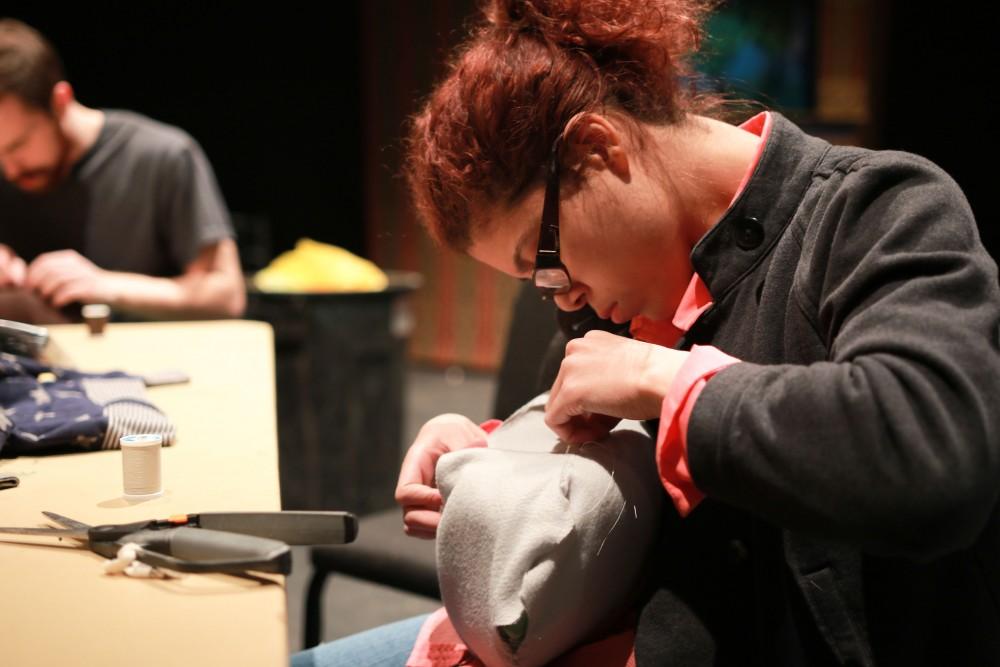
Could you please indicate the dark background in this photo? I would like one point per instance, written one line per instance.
(274, 96)
(940, 98)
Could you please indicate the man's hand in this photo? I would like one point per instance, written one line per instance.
(65, 276)
(12, 268)
(211, 285)
(605, 378)
(416, 491)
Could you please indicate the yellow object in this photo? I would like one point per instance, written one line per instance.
(319, 267)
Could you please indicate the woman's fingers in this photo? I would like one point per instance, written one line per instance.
(442, 434)
(604, 378)
(421, 523)
(418, 495)
(418, 466)
(415, 490)
(421, 509)
(585, 428)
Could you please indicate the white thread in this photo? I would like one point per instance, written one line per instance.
(125, 557)
(142, 570)
(612, 529)
(141, 465)
(126, 562)
(607, 491)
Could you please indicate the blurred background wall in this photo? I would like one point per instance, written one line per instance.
(301, 107)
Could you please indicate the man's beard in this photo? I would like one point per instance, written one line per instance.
(45, 179)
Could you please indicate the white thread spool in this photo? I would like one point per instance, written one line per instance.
(96, 315)
(141, 465)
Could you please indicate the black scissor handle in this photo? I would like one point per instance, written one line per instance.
(201, 550)
(115, 531)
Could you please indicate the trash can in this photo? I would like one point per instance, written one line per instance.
(340, 362)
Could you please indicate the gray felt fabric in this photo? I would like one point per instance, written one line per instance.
(540, 542)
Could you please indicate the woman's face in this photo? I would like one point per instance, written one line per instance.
(621, 239)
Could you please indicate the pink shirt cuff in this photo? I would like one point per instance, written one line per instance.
(490, 425)
(702, 363)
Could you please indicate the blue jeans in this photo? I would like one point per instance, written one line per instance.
(384, 646)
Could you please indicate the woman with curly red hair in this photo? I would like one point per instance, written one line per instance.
(814, 326)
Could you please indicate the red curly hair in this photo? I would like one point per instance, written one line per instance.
(524, 71)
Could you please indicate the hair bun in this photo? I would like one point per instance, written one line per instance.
(666, 31)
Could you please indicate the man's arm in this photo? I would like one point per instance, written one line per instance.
(211, 285)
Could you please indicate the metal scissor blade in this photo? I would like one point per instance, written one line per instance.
(66, 521)
(75, 533)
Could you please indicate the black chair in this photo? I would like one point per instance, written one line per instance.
(385, 555)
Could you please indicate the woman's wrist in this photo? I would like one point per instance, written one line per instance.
(662, 365)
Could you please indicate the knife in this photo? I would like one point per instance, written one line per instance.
(298, 527)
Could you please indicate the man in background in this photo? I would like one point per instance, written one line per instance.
(102, 206)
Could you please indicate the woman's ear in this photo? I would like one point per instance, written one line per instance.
(592, 142)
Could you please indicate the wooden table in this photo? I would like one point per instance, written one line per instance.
(56, 605)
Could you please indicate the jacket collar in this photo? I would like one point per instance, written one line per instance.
(758, 217)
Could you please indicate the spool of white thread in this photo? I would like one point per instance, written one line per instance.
(141, 465)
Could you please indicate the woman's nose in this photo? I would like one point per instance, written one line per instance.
(574, 299)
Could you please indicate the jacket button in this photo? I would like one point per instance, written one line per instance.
(749, 233)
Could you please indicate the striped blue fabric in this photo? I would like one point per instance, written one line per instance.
(45, 409)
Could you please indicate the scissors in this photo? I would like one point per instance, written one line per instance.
(162, 543)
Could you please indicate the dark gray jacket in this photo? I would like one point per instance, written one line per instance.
(852, 462)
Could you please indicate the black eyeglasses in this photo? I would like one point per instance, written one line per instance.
(551, 276)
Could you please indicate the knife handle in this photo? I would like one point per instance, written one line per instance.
(296, 527)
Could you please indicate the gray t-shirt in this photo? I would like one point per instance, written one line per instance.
(143, 199)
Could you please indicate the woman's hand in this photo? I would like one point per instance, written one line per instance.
(416, 491)
(605, 378)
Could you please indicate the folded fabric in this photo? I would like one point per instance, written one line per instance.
(45, 409)
(541, 544)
